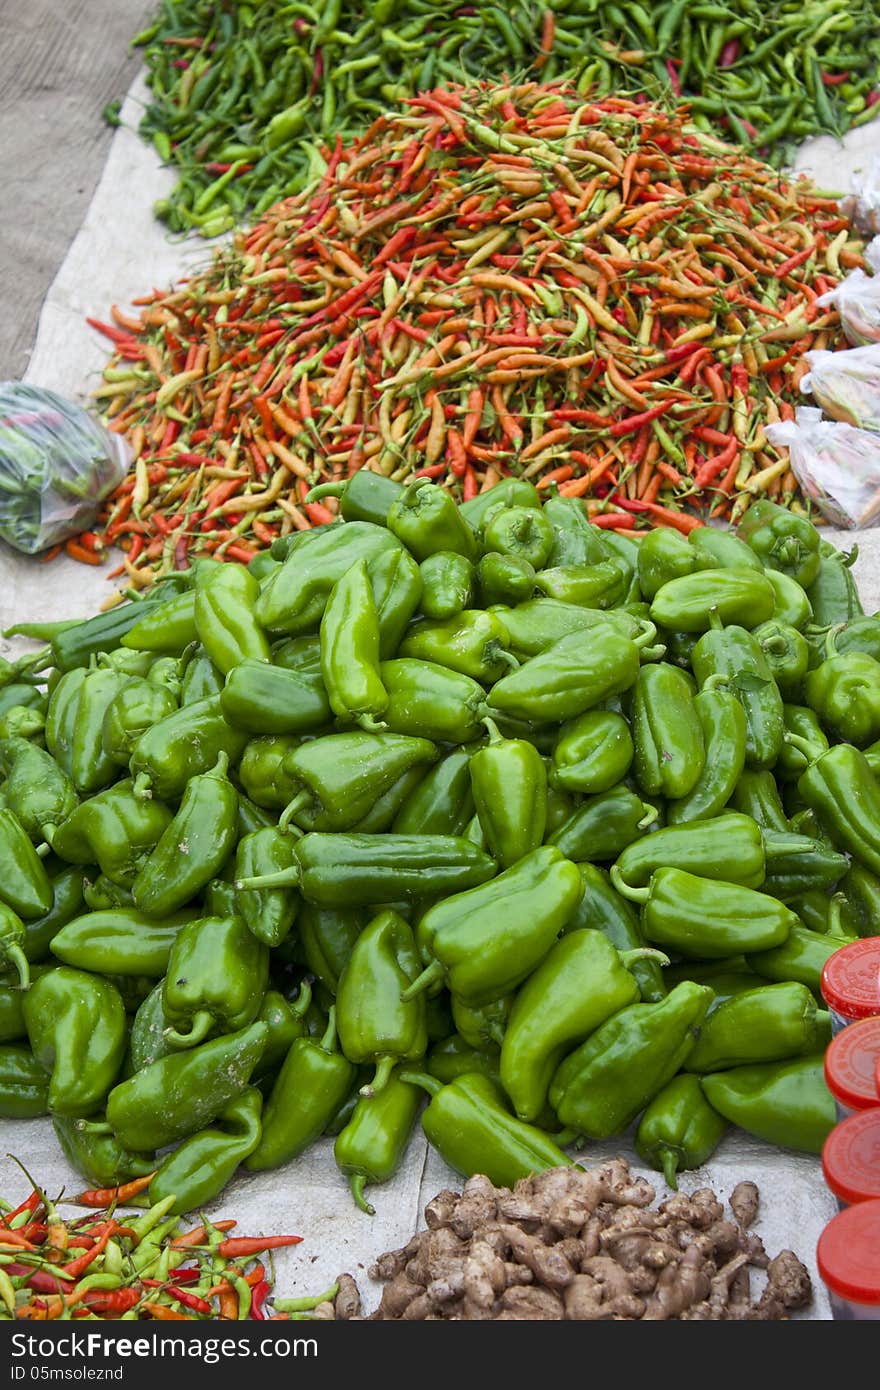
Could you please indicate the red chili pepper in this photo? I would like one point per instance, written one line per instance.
(635, 422)
(189, 1300)
(253, 1245)
(614, 521)
(679, 520)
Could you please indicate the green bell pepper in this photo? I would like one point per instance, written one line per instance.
(293, 599)
(603, 825)
(442, 803)
(269, 915)
(765, 1024)
(272, 700)
(197, 1172)
(137, 706)
(782, 540)
(723, 723)
(845, 693)
(739, 596)
(24, 1084)
(426, 519)
(667, 733)
(733, 656)
(728, 847)
(185, 745)
(472, 642)
(577, 673)
(448, 585)
(707, 919)
(593, 752)
(350, 647)
(24, 883)
(341, 776)
(98, 1158)
(119, 941)
(427, 700)
(115, 829)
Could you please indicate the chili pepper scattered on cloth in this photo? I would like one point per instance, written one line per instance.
(111, 1264)
(244, 98)
(492, 282)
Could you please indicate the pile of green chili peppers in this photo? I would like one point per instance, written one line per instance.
(246, 98)
(483, 801)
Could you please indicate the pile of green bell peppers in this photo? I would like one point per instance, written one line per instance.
(555, 825)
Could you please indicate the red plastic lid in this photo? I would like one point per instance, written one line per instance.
(851, 979)
(848, 1253)
(851, 1065)
(851, 1157)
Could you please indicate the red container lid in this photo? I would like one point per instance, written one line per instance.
(851, 1157)
(848, 1253)
(851, 1065)
(851, 979)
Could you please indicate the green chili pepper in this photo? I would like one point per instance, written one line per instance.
(293, 599)
(454, 1056)
(182, 1093)
(708, 918)
(504, 579)
(757, 795)
(360, 870)
(723, 723)
(270, 914)
(845, 693)
(472, 642)
(206, 825)
(216, 978)
(603, 825)
(738, 596)
(579, 984)
(262, 774)
(397, 586)
(426, 519)
(509, 785)
(350, 647)
(601, 1086)
(365, 496)
(792, 604)
(273, 700)
(376, 1024)
(24, 883)
(185, 745)
(76, 1027)
(728, 847)
(765, 1024)
(484, 942)
(734, 654)
(169, 626)
(472, 1130)
(679, 1129)
(575, 674)
(138, 705)
(115, 830)
(314, 1081)
(327, 937)
(67, 900)
(442, 802)
(342, 775)
(509, 492)
(99, 1158)
(800, 957)
(833, 594)
(200, 1168)
(786, 1103)
(840, 787)
(74, 724)
(667, 733)
(119, 941)
(602, 585)
(448, 584)
(799, 864)
(24, 1084)
(429, 701)
(199, 677)
(371, 1146)
(782, 540)
(535, 626)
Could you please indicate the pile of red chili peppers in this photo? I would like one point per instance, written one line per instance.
(110, 1265)
(493, 281)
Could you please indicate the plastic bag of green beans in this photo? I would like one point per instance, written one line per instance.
(57, 465)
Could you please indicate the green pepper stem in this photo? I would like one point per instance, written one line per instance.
(221, 767)
(835, 924)
(495, 734)
(357, 1182)
(421, 1078)
(637, 895)
(431, 975)
(507, 657)
(328, 1041)
(715, 619)
(142, 787)
(655, 653)
(16, 956)
(811, 751)
(200, 1026)
(775, 645)
(384, 1067)
(370, 724)
(303, 1000)
(643, 953)
(831, 639)
(299, 803)
(282, 878)
(326, 490)
(717, 681)
(649, 816)
(647, 634)
(303, 1305)
(669, 1163)
(42, 850)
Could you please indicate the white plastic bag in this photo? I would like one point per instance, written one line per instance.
(57, 464)
(835, 464)
(862, 206)
(857, 300)
(846, 384)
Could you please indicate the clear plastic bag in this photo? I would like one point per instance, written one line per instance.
(836, 465)
(57, 464)
(862, 206)
(857, 300)
(846, 384)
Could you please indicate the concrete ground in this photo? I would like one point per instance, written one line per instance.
(61, 61)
